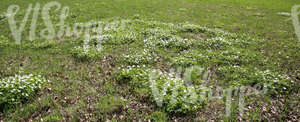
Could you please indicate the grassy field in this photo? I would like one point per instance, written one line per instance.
(83, 87)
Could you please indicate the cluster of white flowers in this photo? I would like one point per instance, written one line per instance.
(87, 51)
(16, 88)
(279, 83)
(274, 76)
(241, 75)
(167, 41)
(145, 56)
(136, 66)
(103, 38)
(217, 42)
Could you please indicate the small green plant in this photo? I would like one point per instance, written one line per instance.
(158, 116)
(124, 38)
(39, 44)
(135, 76)
(17, 89)
(86, 52)
(54, 117)
(3, 41)
(192, 28)
(2, 16)
(110, 104)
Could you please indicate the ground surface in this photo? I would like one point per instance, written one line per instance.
(82, 88)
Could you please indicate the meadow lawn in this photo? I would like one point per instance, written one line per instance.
(81, 89)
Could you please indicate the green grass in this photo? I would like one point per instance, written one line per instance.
(81, 87)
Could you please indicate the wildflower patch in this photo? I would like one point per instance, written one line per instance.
(19, 88)
(231, 59)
